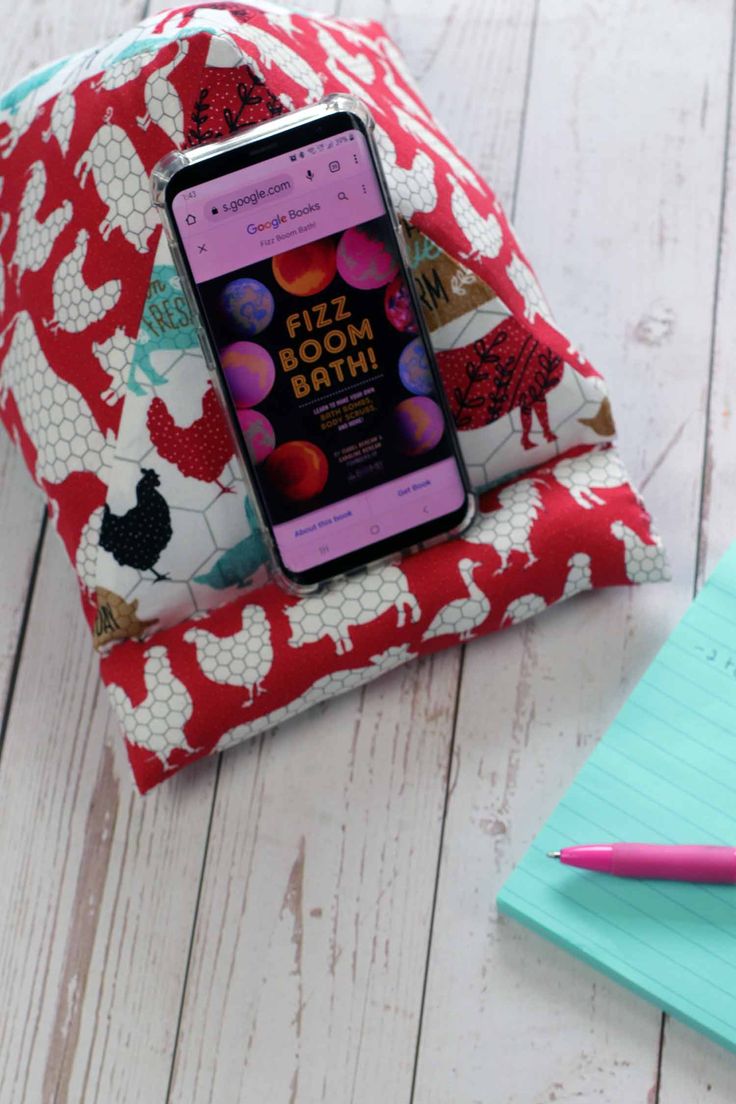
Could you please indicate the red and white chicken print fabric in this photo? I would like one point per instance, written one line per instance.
(102, 387)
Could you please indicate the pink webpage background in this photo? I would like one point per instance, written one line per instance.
(380, 512)
(230, 246)
(373, 515)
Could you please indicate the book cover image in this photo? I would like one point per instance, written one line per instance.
(330, 382)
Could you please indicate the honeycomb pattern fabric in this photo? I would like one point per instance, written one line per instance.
(264, 657)
(95, 347)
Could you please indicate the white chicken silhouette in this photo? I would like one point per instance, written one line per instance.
(115, 356)
(121, 71)
(61, 122)
(85, 560)
(353, 70)
(483, 233)
(36, 239)
(525, 282)
(20, 104)
(328, 686)
(279, 18)
(462, 616)
(243, 659)
(54, 414)
(645, 563)
(76, 305)
(527, 605)
(357, 601)
(121, 183)
(508, 528)
(434, 140)
(392, 63)
(163, 104)
(354, 33)
(158, 722)
(270, 51)
(579, 575)
(411, 189)
(600, 468)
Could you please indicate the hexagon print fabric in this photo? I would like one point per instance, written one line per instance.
(177, 534)
(104, 389)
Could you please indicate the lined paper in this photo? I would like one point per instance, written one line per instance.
(665, 772)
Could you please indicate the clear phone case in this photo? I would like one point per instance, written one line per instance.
(161, 177)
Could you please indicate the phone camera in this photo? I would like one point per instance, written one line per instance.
(214, 210)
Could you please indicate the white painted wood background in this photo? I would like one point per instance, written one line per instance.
(313, 917)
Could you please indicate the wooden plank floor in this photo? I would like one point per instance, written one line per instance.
(312, 918)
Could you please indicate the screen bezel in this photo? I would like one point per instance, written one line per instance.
(252, 153)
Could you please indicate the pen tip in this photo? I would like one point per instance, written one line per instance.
(553, 854)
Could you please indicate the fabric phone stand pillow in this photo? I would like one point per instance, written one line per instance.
(104, 389)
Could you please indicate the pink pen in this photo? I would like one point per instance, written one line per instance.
(692, 863)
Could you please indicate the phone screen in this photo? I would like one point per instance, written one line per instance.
(321, 355)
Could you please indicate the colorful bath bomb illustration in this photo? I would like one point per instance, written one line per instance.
(418, 424)
(365, 259)
(297, 470)
(414, 370)
(249, 371)
(260, 439)
(398, 306)
(246, 306)
(308, 269)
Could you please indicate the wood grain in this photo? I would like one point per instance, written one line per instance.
(311, 941)
(31, 37)
(98, 887)
(629, 165)
(309, 953)
(34, 34)
(695, 1071)
(21, 508)
(470, 59)
(286, 911)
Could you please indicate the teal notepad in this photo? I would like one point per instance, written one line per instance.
(665, 772)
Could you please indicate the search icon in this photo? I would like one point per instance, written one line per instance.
(341, 195)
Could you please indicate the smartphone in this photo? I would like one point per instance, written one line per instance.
(290, 255)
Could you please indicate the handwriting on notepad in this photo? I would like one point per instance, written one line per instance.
(722, 658)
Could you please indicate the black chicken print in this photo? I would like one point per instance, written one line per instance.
(137, 538)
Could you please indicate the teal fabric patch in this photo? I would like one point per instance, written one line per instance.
(240, 563)
(15, 96)
(166, 324)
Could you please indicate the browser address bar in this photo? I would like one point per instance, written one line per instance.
(276, 189)
(249, 198)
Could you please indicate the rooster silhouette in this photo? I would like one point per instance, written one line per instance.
(201, 449)
(137, 538)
